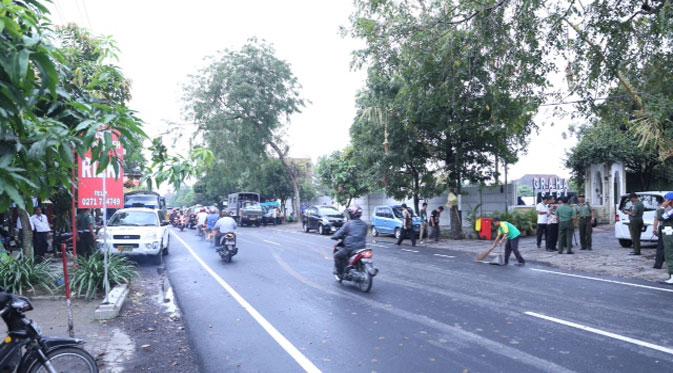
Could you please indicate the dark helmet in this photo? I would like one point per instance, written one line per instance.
(355, 212)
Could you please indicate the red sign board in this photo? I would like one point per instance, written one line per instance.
(90, 185)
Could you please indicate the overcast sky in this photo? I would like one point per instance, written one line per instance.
(163, 42)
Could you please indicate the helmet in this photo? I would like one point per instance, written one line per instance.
(355, 212)
(669, 196)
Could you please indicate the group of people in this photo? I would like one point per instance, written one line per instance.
(556, 222)
(431, 222)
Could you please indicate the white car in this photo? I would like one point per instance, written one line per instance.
(135, 231)
(651, 200)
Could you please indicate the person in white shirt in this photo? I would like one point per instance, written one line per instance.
(201, 218)
(41, 231)
(551, 236)
(542, 211)
(225, 224)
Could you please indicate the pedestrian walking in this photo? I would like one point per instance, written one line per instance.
(85, 233)
(566, 217)
(41, 231)
(635, 213)
(424, 221)
(407, 230)
(542, 214)
(551, 236)
(587, 217)
(667, 234)
(656, 229)
(508, 232)
(434, 222)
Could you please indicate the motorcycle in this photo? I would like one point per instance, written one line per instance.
(226, 246)
(182, 222)
(25, 349)
(192, 221)
(360, 268)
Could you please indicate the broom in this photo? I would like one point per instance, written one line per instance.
(483, 255)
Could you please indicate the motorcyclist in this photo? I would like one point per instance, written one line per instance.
(354, 236)
(224, 225)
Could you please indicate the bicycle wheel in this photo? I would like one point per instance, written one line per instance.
(66, 359)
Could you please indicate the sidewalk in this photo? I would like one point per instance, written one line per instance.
(606, 258)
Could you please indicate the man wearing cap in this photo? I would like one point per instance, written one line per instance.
(587, 216)
(635, 213)
(566, 217)
(667, 234)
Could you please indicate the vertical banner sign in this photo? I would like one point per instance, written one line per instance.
(90, 184)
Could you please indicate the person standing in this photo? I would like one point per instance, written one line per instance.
(434, 222)
(85, 233)
(587, 217)
(635, 214)
(542, 211)
(407, 226)
(551, 236)
(507, 231)
(656, 229)
(566, 216)
(41, 231)
(424, 221)
(667, 234)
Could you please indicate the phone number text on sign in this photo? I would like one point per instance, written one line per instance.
(98, 201)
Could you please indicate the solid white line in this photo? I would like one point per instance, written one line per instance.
(283, 342)
(444, 256)
(411, 251)
(271, 242)
(622, 338)
(603, 280)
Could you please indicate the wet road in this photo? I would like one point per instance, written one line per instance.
(277, 308)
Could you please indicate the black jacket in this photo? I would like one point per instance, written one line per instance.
(354, 234)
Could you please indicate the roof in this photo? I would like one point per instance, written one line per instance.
(137, 209)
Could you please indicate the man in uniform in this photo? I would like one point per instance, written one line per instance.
(635, 214)
(566, 216)
(587, 216)
(656, 229)
(667, 234)
(85, 233)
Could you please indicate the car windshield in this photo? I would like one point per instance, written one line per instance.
(328, 211)
(134, 218)
(398, 212)
(253, 206)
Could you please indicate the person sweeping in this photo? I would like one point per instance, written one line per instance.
(506, 232)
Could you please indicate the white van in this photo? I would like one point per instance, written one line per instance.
(651, 200)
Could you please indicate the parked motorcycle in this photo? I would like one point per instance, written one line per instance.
(25, 349)
(360, 269)
(226, 246)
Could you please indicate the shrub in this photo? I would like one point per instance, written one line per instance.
(20, 274)
(524, 220)
(87, 280)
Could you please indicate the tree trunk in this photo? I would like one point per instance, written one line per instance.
(296, 200)
(416, 191)
(456, 221)
(27, 237)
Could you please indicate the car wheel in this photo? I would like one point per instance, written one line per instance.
(398, 233)
(375, 232)
(164, 251)
(321, 229)
(305, 226)
(625, 243)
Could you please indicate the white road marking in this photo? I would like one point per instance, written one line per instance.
(272, 242)
(444, 256)
(411, 251)
(622, 338)
(602, 280)
(283, 342)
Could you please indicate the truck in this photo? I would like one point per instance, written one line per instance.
(148, 199)
(244, 207)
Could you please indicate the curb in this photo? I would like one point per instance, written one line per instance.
(117, 298)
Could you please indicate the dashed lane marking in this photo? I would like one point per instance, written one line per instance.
(622, 338)
(602, 280)
(272, 242)
(444, 256)
(408, 250)
(283, 342)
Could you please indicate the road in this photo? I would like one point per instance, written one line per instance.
(277, 308)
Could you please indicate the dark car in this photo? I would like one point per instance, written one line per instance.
(324, 219)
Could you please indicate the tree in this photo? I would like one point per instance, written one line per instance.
(247, 97)
(469, 78)
(47, 116)
(343, 176)
(623, 43)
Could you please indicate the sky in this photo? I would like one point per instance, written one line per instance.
(162, 42)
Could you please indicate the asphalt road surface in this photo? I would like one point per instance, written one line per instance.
(277, 308)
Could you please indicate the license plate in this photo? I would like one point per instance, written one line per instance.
(333, 229)
(230, 243)
(121, 249)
